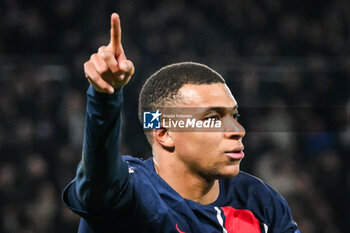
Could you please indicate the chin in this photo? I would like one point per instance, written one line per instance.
(222, 172)
(229, 172)
(228, 176)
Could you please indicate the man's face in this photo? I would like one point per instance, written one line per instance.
(211, 154)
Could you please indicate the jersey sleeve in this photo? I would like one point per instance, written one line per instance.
(280, 215)
(102, 175)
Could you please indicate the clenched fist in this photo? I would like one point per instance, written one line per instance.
(109, 68)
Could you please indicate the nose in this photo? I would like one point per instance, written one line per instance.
(233, 129)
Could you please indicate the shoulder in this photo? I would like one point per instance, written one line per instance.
(136, 163)
(257, 196)
(253, 193)
(132, 160)
(258, 190)
(140, 169)
(249, 183)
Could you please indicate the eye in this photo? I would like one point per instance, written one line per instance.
(213, 117)
(236, 116)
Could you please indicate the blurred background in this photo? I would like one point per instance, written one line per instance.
(275, 55)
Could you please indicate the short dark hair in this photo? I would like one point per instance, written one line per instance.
(160, 89)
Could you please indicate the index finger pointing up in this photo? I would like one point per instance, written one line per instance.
(116, 34)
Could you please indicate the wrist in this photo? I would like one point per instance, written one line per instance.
(101, 95)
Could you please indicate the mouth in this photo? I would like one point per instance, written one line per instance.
(236, 153)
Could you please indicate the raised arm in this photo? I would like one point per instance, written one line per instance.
(102, 173)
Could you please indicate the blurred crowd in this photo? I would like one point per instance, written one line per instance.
(280, 59)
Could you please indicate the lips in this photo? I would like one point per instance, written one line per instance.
(236, 153)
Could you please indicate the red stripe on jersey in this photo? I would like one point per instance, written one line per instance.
(240, 221)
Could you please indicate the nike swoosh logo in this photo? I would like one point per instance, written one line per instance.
(177, 228)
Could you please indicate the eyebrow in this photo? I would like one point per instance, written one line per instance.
(220, 109)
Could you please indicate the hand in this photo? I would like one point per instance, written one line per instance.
(109, 68)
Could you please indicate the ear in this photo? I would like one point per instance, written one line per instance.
(163, 137)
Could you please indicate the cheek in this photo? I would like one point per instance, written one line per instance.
(199, 145)
(187, 143)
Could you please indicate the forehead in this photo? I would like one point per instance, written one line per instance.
(207, 95)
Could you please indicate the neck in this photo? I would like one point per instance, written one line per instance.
(188, 184)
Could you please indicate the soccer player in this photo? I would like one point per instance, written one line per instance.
(192, 183)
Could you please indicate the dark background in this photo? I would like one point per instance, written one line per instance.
(274, 55)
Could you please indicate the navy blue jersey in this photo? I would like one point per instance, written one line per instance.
(122, 194)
